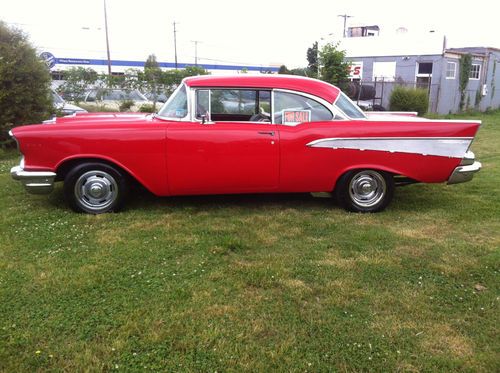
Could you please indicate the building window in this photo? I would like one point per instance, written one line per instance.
(424, 68)
(451, 70)
(475, 71)
(423, 76)
(384, 71)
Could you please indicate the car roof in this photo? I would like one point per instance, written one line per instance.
(314, 87)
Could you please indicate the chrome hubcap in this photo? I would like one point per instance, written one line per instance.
(367, 188)
(96, 190)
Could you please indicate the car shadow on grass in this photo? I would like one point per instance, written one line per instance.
(419, 197)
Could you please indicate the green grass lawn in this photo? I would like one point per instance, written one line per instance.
(255, 283)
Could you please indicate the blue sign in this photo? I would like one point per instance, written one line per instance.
(49, 59)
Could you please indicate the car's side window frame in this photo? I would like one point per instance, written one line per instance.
(194, 102)
(337, 115)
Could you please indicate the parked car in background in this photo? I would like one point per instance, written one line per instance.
(245, 134)
(65, 107)
(113, 98)
(160, 98)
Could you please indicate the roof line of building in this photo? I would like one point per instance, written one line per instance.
(128, 63)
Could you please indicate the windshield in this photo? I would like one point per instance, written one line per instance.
(348, 107)
(176, 106)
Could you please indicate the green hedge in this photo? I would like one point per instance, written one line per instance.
(409, 99)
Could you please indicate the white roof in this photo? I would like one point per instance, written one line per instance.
(406, 44)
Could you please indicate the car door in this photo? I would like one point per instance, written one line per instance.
(228, 146)
(301, 119)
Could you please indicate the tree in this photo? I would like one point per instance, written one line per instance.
(77, 80)
(152, 78)
(312, 59)
(172, 78)
(283, 70)
(334, 69)
(463, 80)
(24, 83)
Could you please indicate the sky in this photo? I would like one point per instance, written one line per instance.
(257, 32)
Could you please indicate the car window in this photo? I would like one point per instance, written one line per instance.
(234, 105)
(233, 101)
(203, 104)
(349, 108)
(292, 109)
(176, 106)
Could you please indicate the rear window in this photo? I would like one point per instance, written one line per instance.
(349, 108)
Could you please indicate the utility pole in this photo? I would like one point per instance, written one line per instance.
(175, 44)
(107, 38)
(345, 16)
(195, 51)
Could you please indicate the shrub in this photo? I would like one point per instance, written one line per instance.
(24, 84)
(97, 108)
(147, 108)
(126, 105)
(409, 99)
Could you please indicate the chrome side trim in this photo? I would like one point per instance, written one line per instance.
(36, 182)
(454, 147)
(461, 174)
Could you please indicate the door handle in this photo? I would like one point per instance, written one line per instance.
(269, 133)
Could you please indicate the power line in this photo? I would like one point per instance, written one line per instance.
(345, 16)
(226, 61)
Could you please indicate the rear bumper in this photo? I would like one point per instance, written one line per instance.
(36, 182)
(465, 172)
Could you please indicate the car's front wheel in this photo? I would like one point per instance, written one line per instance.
(364, 190)
(95, 188)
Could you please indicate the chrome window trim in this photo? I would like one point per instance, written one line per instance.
(355, 106)
(333, 110)
(209, 89)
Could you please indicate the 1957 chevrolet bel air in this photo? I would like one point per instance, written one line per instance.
(244, 134)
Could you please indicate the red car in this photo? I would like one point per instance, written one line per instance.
(245, 134)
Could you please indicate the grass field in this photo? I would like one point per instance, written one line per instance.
(255, 283)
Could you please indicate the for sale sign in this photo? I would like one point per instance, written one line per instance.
(292, 117)
(356, 70)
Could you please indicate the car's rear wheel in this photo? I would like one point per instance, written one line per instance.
(95, 188)
(364, 190)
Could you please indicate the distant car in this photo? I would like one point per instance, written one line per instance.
(65, 107)
(113, 98)
(245, 134)
(161, 98)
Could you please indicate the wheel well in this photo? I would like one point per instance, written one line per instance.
(390, 173)
(68, 165)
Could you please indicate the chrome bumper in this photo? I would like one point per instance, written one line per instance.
(465, 172)
(36, 182)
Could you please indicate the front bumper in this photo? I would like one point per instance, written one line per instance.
(35, 182)
(465, 172)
